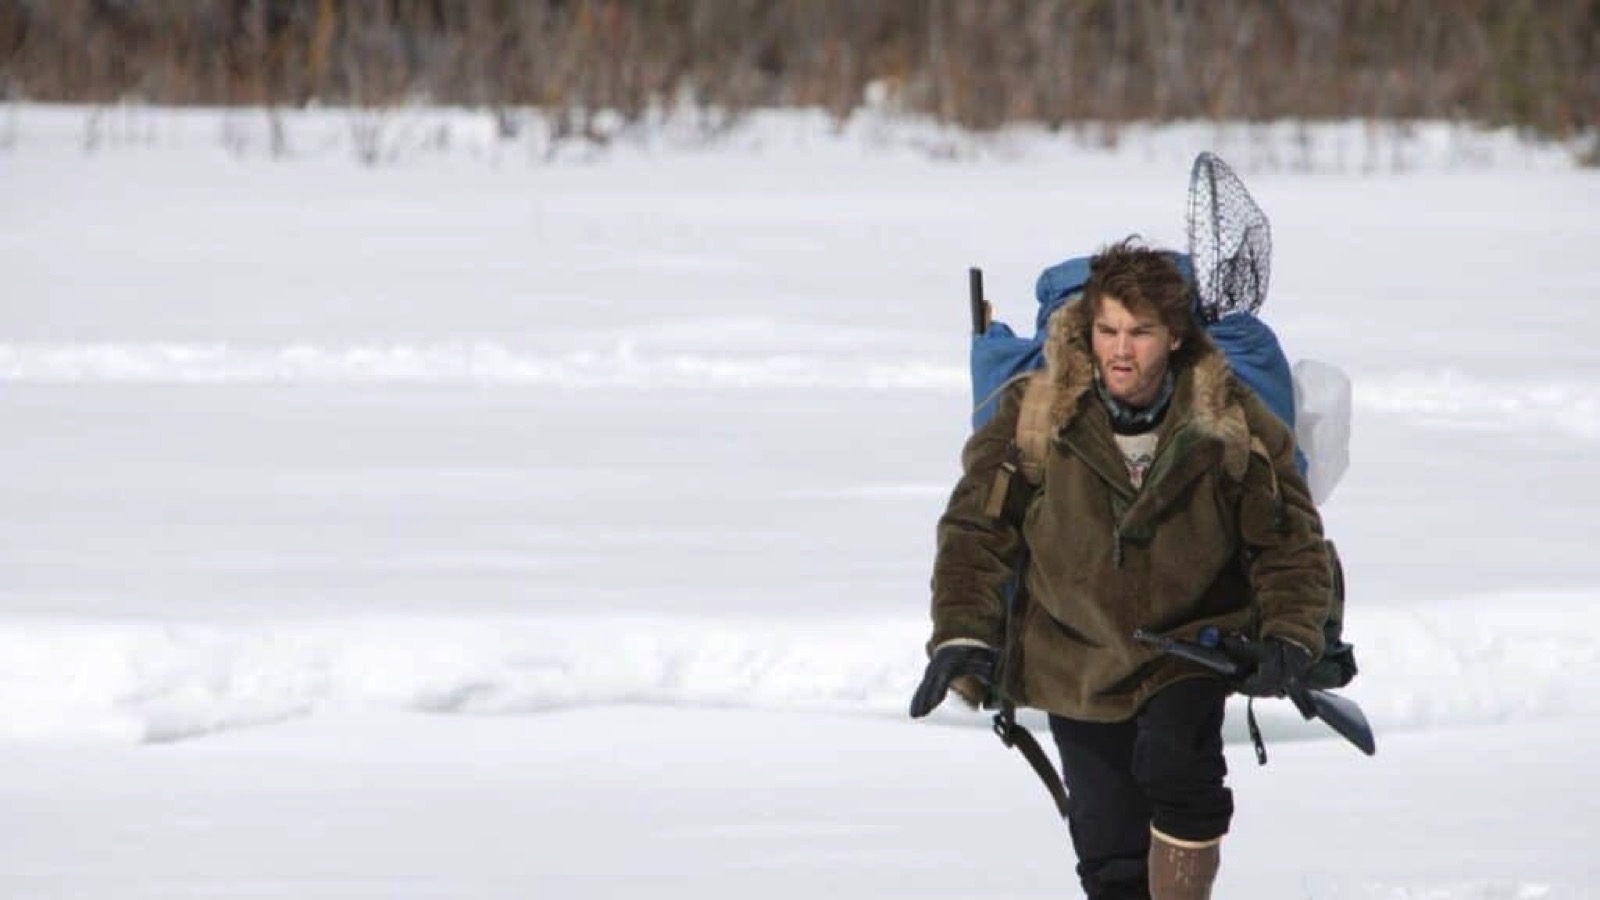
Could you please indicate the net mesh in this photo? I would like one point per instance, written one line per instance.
(1230, 241)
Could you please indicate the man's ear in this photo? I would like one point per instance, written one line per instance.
(1176, 343)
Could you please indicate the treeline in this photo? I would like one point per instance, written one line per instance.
(980, 63)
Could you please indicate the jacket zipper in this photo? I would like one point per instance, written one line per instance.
(1111, 482)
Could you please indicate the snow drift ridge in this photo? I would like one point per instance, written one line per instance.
(1472, 660)
(673, 362)
(621, 364)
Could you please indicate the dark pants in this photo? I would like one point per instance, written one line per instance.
(1164, 768)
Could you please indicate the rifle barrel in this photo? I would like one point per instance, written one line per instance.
(981, 311)
(1210, 657)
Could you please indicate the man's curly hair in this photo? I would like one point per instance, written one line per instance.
(1146, 281)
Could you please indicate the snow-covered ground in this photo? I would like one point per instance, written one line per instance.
(515, 521)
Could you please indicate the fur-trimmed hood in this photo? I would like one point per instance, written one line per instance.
(1214, 408)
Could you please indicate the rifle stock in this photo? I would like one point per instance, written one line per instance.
(1345, 717)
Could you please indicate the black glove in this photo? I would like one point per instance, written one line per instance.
(949, 663)
(1282, 665)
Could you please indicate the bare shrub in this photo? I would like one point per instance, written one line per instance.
(978, 63)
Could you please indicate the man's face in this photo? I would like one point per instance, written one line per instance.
(1131, 352)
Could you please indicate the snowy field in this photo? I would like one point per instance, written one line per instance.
(517, 520)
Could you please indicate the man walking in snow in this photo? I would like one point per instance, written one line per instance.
(1145, 488)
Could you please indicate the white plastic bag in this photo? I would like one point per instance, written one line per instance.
(1322, 424)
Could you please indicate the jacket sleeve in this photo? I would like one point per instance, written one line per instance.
(1290, 570)
(975, 551)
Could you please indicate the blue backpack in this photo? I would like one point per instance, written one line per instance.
(1000, 355)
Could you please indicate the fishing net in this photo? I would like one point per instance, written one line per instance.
(1230, 241)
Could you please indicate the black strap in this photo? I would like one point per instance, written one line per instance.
(1012, 507)
(1255, 731)
(1014, 735)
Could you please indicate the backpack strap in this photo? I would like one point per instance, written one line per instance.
(1014, 735)
(1033, 425)
(1029, 447)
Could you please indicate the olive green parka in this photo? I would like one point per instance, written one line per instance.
(1222, 532)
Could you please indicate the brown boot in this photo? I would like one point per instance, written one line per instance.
(1182, 870)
